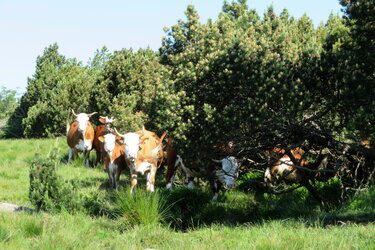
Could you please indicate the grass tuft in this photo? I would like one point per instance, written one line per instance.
(140, 208)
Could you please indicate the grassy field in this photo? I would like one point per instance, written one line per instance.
(110, 219)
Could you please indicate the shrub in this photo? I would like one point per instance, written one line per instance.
(47, 191)
(98, 204)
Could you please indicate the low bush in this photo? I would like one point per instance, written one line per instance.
(47, 191)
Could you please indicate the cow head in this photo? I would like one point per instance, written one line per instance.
(83, 120)
(131, 142)
(108, 122)
(109, 141)
(228, 173)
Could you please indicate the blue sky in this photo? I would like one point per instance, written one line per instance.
(80, 27)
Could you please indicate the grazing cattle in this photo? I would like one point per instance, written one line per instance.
(143, 153)
(80, 136)
(101, 130)
(218, 172)
(114, 160)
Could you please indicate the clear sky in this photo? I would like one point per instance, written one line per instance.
(80, 27)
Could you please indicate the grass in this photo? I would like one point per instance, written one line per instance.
(181, 218)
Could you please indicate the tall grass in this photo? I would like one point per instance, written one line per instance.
(140, 208)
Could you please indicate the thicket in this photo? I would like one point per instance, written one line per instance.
(259, 81)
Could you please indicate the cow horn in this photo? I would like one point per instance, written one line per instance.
(93, 113)
(217, 161)
(118, 134)
(74, 113)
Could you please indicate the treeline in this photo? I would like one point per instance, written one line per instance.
(258, 81)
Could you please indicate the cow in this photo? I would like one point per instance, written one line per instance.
(143, 153)
(114, 160)
(80, 136)
(283, 168)
(101, 130)
(218, 172)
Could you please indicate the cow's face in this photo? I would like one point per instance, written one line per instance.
(109, 142)
(228, 173)
(82, 120)
(131, 142)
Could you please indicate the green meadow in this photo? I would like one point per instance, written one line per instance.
(97, 217)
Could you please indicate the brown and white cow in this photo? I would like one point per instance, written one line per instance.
(283, 168)
(218, 172)
(80, 136)
(143, 153)
(101, 130)
(114, 159)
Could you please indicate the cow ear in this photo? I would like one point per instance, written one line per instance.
(101, 138)
(102, 119)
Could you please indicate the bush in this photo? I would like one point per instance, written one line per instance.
(98, 204)
(47, 191)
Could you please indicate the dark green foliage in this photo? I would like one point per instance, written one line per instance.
(47, 191)
(136, 90)
(58, 85)
(186, 206)
(364, 200)
(98, 204)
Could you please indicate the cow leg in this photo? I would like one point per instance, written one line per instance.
(70, 155)
(133, 181)
(98, 157)
(110, 179)
(171, 171)
(215, 187)
(151, 178)
(111, 174)
(86, 154)
(117, 177)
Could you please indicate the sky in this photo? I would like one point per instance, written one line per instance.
(80, 27)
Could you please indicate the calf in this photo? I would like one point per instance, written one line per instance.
(101, 130)
(143, 153)
(114, 160)
(80, 136)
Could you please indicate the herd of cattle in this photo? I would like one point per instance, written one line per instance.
(143, 153)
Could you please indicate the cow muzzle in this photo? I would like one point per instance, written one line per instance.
(230, 186)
